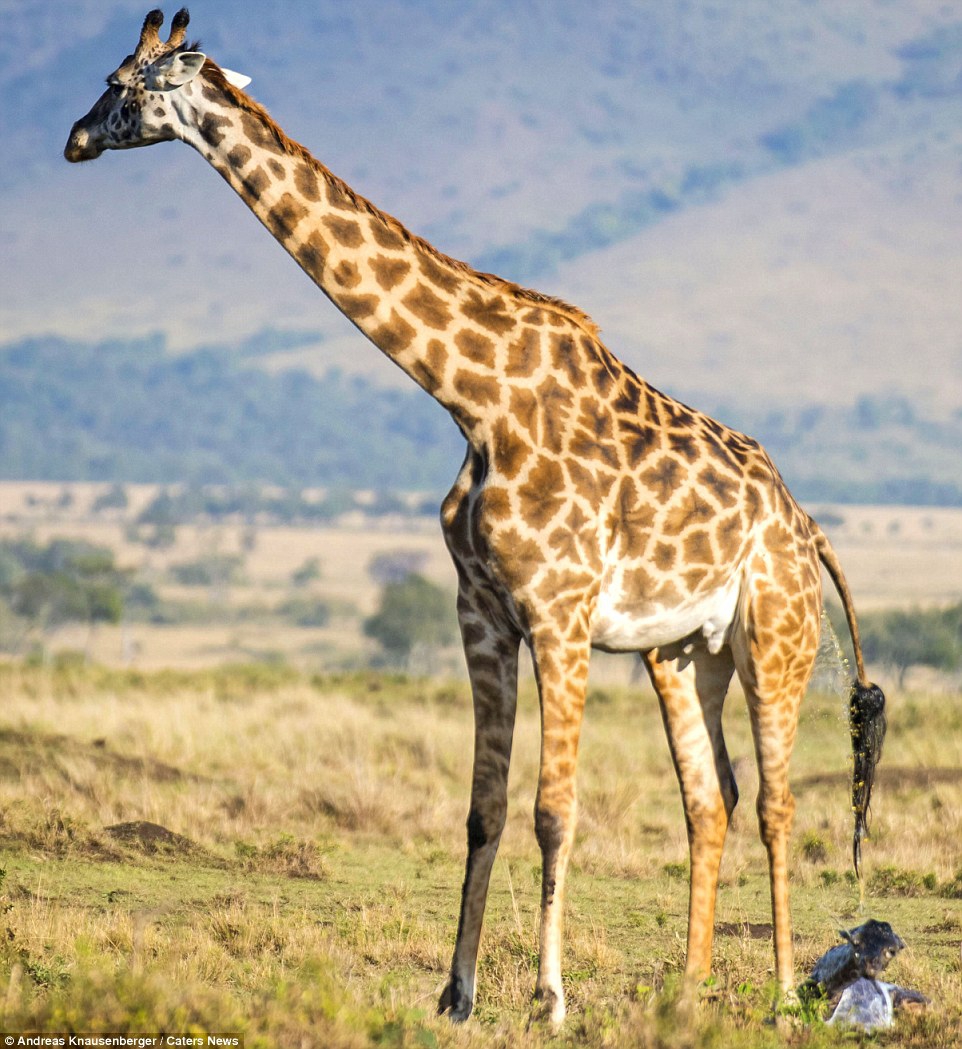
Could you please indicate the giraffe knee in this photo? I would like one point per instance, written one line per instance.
(775, 815)
(729, 789)
(549, 830)
(708, 822)
(485, 825)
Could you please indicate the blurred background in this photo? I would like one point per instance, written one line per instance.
(759, 203)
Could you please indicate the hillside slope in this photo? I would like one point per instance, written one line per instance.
(130, 411)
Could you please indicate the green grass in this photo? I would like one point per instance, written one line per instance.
(312, 898)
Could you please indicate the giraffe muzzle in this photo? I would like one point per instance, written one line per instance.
(80, 147)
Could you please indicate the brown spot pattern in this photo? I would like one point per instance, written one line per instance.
(210, 128)
(346, 274)
(285, 216)
(490, 313)
(663, 478)
(697, 547)
(312, 254)
(260, 134)
(480, 390)
(306, 181)
(519, 556)
(344, 231)
(510, 450)
(428, 307)
(239, 156)
(475, 347)
(395, 336)
(524, 355)
(255, 182)
(523, 408)
(385, 236)
(555, 403)
(723, 485)
(543, 493)
(357, 307)
(585, 481)
(389, 272)
(440, 276)
(564, 359)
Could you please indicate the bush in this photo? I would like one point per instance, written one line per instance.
(215, 570)
(306, 611)
(902, 638)
(412, 612)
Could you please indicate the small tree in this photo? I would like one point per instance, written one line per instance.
(902, 639)
(115, 498)
(308, 572)
(413, 613)
(65, 582)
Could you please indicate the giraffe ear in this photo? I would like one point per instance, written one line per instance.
(178, 69)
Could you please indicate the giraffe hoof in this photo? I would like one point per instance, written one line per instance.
(547, 1010)
(454, 1003)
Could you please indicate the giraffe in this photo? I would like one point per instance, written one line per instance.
(591, 511)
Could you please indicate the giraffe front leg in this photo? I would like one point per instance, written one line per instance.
(692, 695)
(492, 657)
(561, 667)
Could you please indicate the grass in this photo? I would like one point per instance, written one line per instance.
(310, 894)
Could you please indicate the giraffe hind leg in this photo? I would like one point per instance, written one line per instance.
(692, 690)
(774, 688)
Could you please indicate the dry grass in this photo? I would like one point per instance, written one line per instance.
(312, 895)
(320, 888)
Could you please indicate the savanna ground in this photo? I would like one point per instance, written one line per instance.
(306, 892)
(277, 850)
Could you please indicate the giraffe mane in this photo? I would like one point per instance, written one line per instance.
(215, 75)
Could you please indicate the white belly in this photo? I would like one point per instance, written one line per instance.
(627, 623)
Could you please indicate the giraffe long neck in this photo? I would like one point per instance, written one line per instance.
(434, 317)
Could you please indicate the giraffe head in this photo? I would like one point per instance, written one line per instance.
(137, 109)
(140, 105)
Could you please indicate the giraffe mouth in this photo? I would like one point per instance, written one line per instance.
(80, 147)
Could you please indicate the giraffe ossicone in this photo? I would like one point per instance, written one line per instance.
(591, 511)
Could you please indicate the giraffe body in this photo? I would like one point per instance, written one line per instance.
(591, 510)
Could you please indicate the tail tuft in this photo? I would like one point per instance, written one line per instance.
(867, 724)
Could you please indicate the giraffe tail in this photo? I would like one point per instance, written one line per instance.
(866, 711)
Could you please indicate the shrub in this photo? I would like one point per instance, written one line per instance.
(412, 612)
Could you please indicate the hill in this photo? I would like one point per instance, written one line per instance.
(128, 411)
(132, 412)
